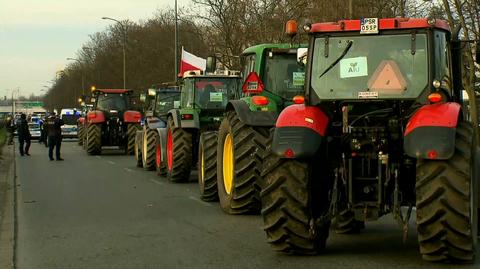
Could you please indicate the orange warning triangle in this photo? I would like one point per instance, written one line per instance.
(387, 77)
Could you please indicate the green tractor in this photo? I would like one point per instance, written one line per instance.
(274, 77)
(192, 127)
(149, 152)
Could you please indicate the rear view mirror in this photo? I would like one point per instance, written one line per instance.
(302, 56)
(211, 64)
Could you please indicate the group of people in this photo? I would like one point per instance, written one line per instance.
(53, 135)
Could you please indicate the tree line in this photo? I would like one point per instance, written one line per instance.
(224, 28)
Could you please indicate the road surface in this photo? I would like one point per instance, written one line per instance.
(103, 212)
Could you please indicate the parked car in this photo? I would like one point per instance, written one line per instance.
(34, 130)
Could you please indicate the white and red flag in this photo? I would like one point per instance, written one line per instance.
(191, 62)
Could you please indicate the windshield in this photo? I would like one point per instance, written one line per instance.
(33, 126)
(211, 92)
(166, 101)
(70, 119)
(283, 75)
(371, 67)
(112, 102)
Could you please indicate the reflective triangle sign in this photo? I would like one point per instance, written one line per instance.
(387, 78)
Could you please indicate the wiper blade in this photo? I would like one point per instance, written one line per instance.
(349, 45)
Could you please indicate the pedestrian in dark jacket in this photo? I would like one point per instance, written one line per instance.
(23, 135)
(54, 132)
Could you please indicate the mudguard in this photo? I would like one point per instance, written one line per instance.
(162, 135)
(132, 116)
(430, 132)
(154, 123)
(252, 118)
(179, 123)
(95, 116)
(299, 131)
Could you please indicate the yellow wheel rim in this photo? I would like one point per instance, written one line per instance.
(202, 166)
(228, 164)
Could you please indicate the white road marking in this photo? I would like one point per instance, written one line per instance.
(156, 181)
(199, 201)
(111, 162)
(128, 169)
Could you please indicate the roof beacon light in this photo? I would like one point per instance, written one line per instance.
(298, 99)
(291, 28)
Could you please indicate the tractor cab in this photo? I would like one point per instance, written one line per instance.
(160, 99)
(112, 101)
(209, 93)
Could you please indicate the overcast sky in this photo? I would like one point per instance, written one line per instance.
(36, 36)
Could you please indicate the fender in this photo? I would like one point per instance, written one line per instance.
(95, 116)
(252, 118)
(132, 116)
(299, 131)
(430, 132)
(175, 115)
(162, 136)
(154, 123)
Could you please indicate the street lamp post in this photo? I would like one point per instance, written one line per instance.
(124, 28)
(83, 78)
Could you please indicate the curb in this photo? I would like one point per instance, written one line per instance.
(7, 208)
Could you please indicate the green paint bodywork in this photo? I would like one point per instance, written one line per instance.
(260, 51)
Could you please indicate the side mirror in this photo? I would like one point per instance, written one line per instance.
(211, 64)
(143, 97)
(92, 100)
(302, 56)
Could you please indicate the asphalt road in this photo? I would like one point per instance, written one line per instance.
(103, 212)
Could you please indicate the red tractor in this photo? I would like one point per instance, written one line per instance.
(383, 129)
(111, 122)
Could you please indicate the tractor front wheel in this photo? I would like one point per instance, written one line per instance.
(132, 129)
(160, 165)
(447, 203)
(207, 166)
(138, 148)
(179, 153)
(80, 133)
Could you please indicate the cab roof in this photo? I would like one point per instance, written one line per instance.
(383, 24)
(118, 91)
(261, 47)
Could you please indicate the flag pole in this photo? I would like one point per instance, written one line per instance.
(176, 42)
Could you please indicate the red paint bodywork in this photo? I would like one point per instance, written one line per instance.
(95, 117)
(383, 24)
(439, 115)
(117, 91)
(132, 116)
(81, 120)
(303, 116)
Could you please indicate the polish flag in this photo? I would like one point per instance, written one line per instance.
(191, 62)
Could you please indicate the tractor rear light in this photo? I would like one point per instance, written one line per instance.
(289, 153)
(260, 100)
(92, 115)
(354, 154)
(432, 154)
(187, 116)
(435, 97)
(298, 99)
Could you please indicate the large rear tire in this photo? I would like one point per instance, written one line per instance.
(160, 159)
(295, 206)
(447, 203)
(80, 133)
(149, 149)
(207, 166)
(94, 139)
(138, 148)
(345, 222)
(240, 152)
(132, 129)
(179, 153)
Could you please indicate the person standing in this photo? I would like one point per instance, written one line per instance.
(54, 133)
(23, 135)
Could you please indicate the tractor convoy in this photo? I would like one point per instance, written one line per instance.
(369, 121)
